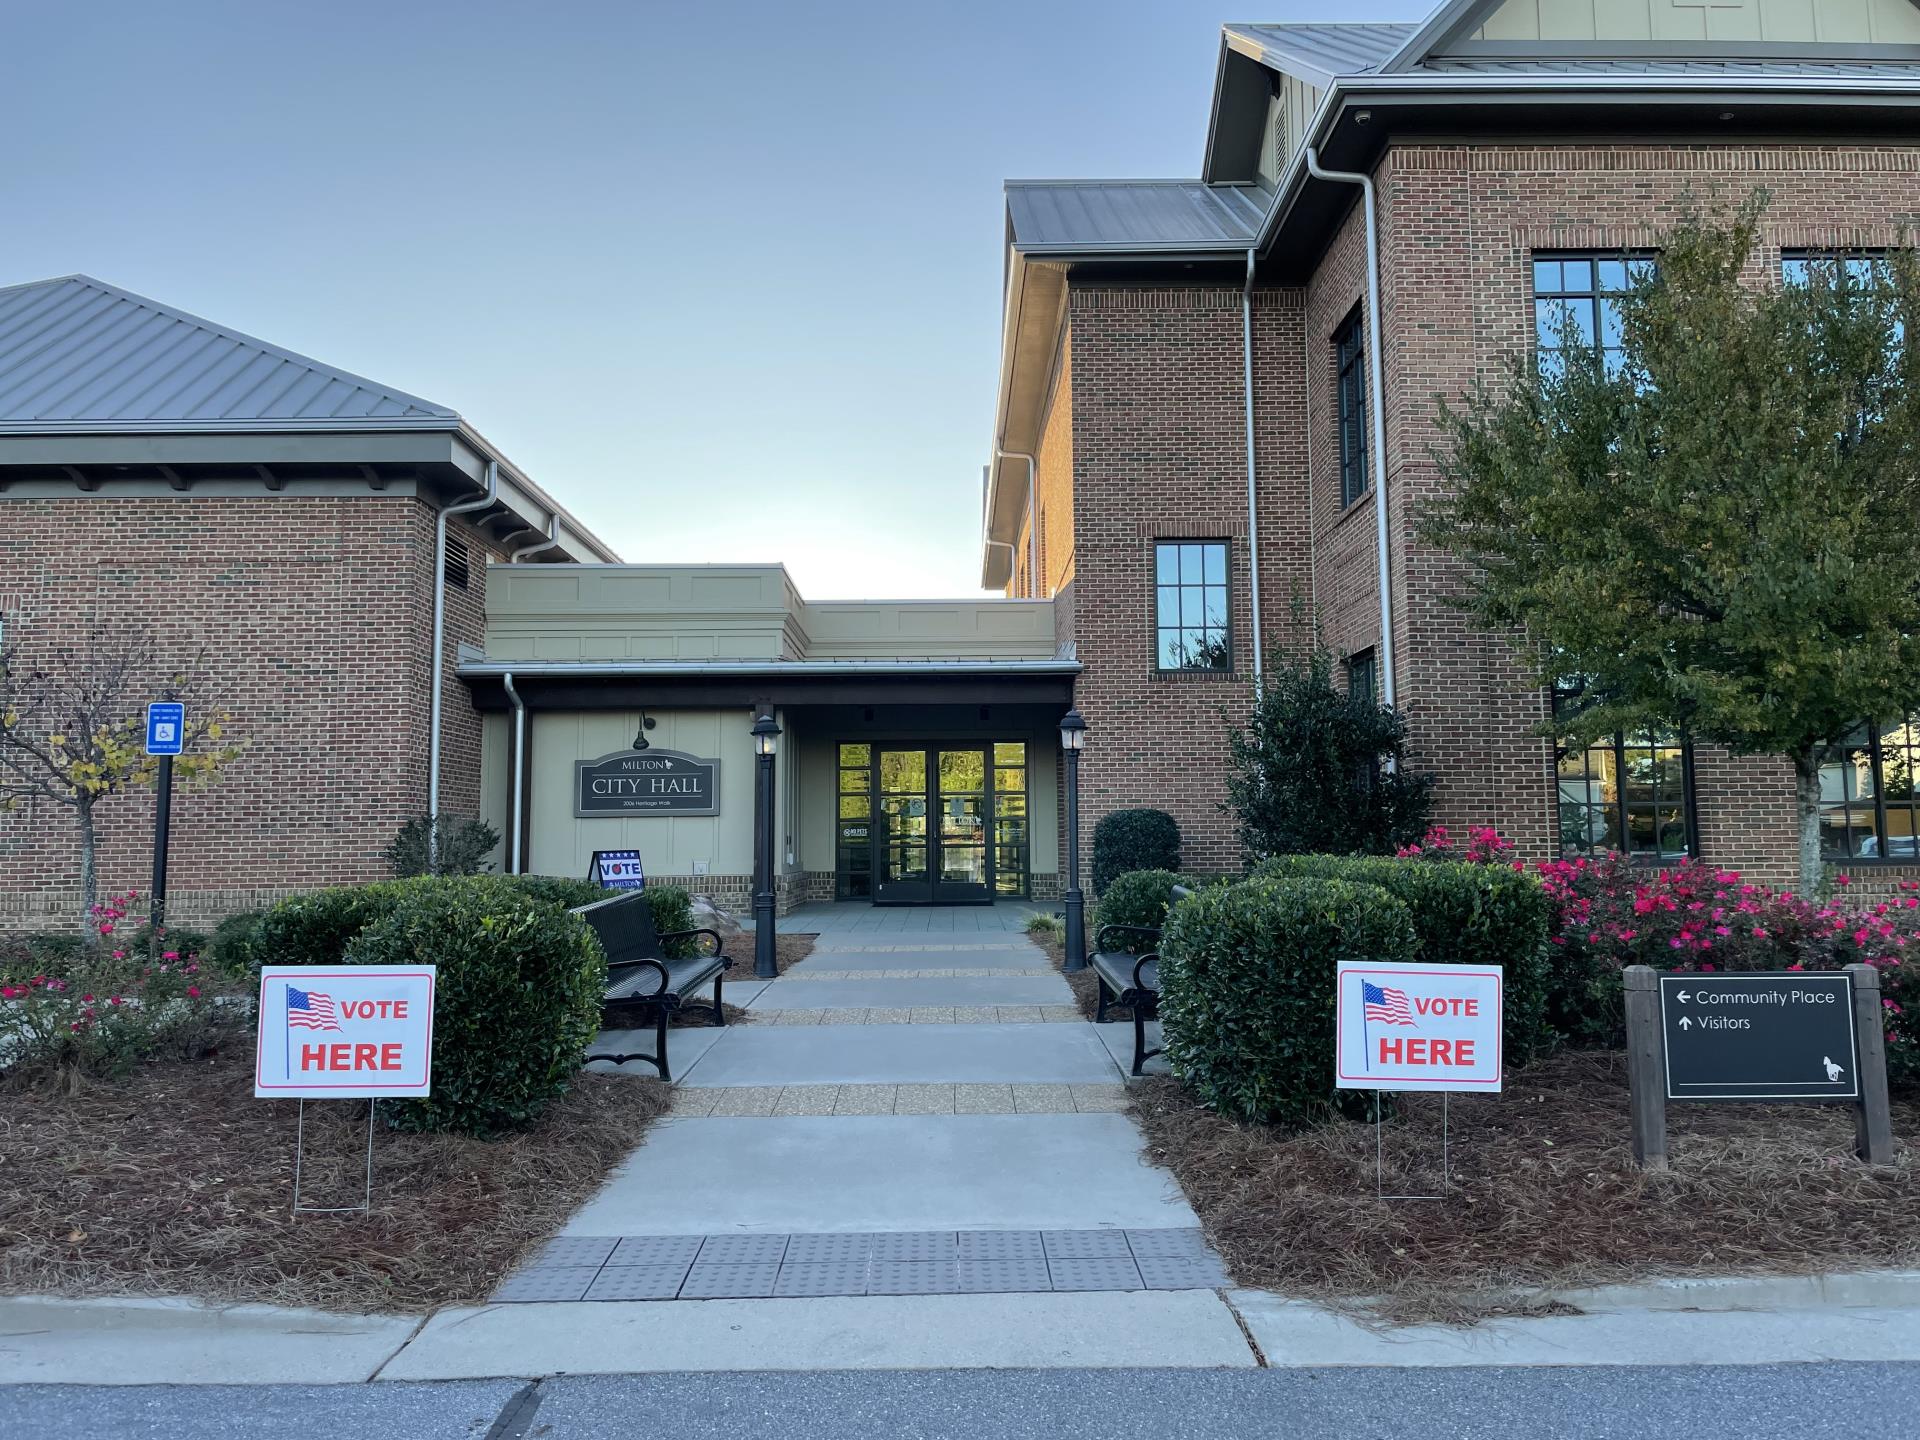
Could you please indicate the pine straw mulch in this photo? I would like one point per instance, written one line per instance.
(1545, 1195)
(176, 1181)
(788, 951)
(1084, 983)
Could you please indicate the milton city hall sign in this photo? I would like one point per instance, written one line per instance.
(632, 783)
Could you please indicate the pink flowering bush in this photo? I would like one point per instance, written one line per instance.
(1609, 913)
(97, 1011)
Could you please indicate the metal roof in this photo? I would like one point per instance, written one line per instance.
(1118, 214)
(76, 353)
(1318, 53)
(1901, 70)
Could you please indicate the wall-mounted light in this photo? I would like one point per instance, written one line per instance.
(647, 722)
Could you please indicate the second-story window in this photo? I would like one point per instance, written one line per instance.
(1362, 677)
(1190, 605)
(1350, 355)
(1576, 301)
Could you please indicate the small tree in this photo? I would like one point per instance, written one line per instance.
(73, 732)
(442, 845)
(1319, 772)
(1712, 528)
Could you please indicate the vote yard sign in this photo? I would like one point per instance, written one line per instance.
(1418, 1027)
(618, 870)
(345, 1032)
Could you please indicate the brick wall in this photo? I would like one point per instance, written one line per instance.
(313, 616)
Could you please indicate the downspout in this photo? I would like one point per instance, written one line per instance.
(439, 643)
(1253, 514)
(1376, 375)
(519, 761)
(1033, 518)
(534, 547)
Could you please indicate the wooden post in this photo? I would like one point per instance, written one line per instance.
(1646, 1067)
(1873, 1121)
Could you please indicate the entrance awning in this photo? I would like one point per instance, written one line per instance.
(633, 684)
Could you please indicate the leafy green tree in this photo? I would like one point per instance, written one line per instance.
(442, 845)
(1715, 526)
(1316, 771)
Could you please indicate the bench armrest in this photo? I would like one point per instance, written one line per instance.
(1100, 936)
(621, 969)
(719, 945)
(1151, 958)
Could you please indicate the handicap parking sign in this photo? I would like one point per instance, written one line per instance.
(166, 727)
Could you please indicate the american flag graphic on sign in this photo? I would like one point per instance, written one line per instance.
(1385, 1004)
(310, 1010)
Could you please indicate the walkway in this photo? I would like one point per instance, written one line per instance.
(918, 1109)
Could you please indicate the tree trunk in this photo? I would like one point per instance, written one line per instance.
(89, 871)
(1806, 772)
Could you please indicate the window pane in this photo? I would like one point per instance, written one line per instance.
(1192, 607)
(1170, 651)
(1192, 568)
(853, 807)
(858, 781)
(1216, 607)
(1578, 274)
(1216, 564)
(1613, 275)
(1546, 276)
(856, 755)
(1010, 752)
(1009, 782)
(1167, 606)
(1166, 560)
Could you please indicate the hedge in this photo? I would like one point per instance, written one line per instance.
(1248, 994)
(1140, 897)
(516, 998)
(1462, 915)
(1126, 840)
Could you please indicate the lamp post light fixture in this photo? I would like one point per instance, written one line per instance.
(766, 737)
(1073, 739)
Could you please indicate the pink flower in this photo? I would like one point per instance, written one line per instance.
(1843, 880)
(1796, 966)
(193, 992)
(169, 954)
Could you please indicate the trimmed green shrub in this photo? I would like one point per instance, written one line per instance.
(562, 890)
(672, 910)
(230, 949)
(315, 929)
(1247, 1002)
(1125, 840)
(516, 999)
(1140, 897)
(1462, 915)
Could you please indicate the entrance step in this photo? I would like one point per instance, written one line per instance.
(922, 959)
(898, 992)
(761, 1100)
(933, 1054)
(836, 1173)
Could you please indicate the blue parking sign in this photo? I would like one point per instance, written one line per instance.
(166, 727)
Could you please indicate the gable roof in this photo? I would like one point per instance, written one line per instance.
(1318, 54)
(1110, 214)
(77, 353)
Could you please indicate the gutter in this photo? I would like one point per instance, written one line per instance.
(534, 547)
(1253, 512)
(1033, 517)
(519, 763)
(656, 669)
(439, 643)
(1377, 420)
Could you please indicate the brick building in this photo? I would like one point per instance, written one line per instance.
(1208, 385)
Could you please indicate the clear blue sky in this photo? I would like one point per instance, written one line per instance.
(726, 280)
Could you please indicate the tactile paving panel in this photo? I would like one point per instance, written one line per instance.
(743, 1250)
(573, 1250)
(637, 1282)
(1181, 1272)
(656, 1250)
(721, 1282)
(834, 1277)
(548, 1282)
(1001, 1245)
(823, 1249)
(913, 1277)
(1187, 1242)
(1022, 1275)
(1097, 1272)
(915, 1245)
(1085, 1244)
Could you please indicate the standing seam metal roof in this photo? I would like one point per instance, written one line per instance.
(77, 351)
(1326, 50)
(1134, 212)
(1903, 70)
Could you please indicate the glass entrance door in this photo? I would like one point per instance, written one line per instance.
(905, 876)
(932, 825)
(962, 874)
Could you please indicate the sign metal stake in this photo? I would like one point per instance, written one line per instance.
(299, 1157)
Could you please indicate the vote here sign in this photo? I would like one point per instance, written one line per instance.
(1418, 1027)
(344, 1032)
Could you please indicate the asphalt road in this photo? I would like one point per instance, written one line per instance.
(1699, 1403)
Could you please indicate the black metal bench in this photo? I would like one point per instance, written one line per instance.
(642, 981)
(1131, 980)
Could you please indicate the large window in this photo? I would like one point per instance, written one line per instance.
(1190, 605)
(1350, 355)
(1868, 809)
(853, 853)
(1631, 792)
(1576, 301)
(1362, 677)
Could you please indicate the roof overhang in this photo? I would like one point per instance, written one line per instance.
(626, 685)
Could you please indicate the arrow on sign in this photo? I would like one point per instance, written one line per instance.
(1683, 997)
(1685, 1023)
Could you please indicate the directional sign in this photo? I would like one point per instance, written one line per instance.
(166, 727)
(1759, 1037)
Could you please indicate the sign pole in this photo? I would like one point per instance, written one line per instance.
(1873, 1122)
(162, 829)
(1646, 1065)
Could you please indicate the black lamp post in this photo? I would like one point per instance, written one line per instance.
(1073, 739)
(766, 737)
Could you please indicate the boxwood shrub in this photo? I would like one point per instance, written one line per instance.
(1462, 915)
(1139, 897)
(516, 999)
(1247, 989)
(1125, 840)
(316, 928)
